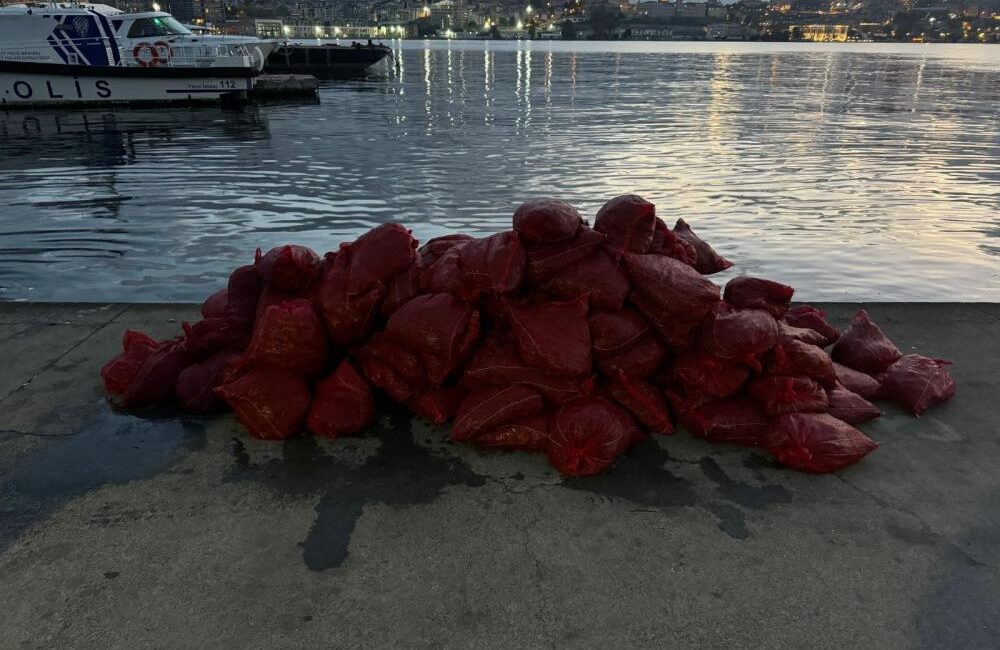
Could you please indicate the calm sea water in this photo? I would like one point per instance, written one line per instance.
(859, 172)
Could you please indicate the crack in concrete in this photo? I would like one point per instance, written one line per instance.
(15, 335)
(518, 489)
(62, 356)
(546, 605)
(36, 434)
(906, 511)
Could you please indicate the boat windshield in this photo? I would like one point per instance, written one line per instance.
(158, 26)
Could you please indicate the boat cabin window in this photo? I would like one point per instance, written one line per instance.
(158, 26)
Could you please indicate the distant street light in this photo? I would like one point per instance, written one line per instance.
(156, 6)
(528, 10)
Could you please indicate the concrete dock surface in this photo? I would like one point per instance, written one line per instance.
(118, 531)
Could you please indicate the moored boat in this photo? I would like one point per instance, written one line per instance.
(326, 60)
(90, 53)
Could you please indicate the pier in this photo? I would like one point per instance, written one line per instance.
(277, 86)
(122, 531)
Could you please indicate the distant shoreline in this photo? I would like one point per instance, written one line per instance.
(683, 40)
(677, 40)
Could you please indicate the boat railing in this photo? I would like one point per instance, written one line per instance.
(146, 53)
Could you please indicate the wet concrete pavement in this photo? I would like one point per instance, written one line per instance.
(121, 531)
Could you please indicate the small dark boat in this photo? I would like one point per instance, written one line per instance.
(325, 60)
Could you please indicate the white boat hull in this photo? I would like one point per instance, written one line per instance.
(28, 89)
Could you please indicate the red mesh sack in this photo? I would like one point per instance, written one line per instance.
(496, 310)
(496, 362)
(665, 242)
(392, 368)
(789, 394)
(379, 255)
(678, 329)
(288, 269)
(155, 380)
(268, 298)
(587, 435)
(210, 335)
(439, 405)
(883, 390)
(708, 260)
(797, 358)
(196, 383)
(242, 295)
(270, 403)
(215, 305)
(644, 401)
(120, 371)
(812, 337)
(738, 421)
(628, 221)
(349, 318)
(918, 382)
(640, 361)
(757, 293)
(439, 328)
(404, 361)
(343, 404)
(494, 264)
(698, 371)
(485, 409)
(545, 220)
(289, 336)
(858, 382)
(554, 336)
(864, 347)
(673, 295)
(545, 260)
(433, 250)
(445, 274)
(403, 288)
(850, 407)
(331, 260)
(809, 317)
(528, 434)
(598, 277)
(613, 332)
(685, 403)
(740, 335)
(816, 442)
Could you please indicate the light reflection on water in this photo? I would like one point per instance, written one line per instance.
(854, 173)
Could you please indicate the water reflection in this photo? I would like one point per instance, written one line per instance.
(488, 83)
(851, 175)
(101, 138)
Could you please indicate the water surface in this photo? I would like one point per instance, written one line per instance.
(853, 172)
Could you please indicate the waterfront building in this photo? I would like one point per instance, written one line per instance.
(727, 31)
(656, 9)
(268, 28)
(452, 15)
(691, 9)
(825, 33)
(395, 12)
(209, 12)
(650, 32)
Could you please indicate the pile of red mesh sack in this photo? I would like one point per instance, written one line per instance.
(554, 337)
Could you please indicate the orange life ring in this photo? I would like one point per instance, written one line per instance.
(154, 55)
(163, 52)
